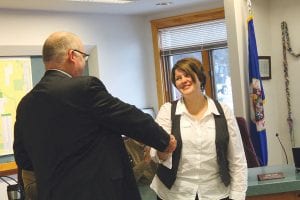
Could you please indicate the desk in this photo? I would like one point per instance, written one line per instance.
(7, 165)
(287, 188)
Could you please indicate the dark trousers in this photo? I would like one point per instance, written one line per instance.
(227, 198)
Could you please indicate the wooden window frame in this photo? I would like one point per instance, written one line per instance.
(161, 82)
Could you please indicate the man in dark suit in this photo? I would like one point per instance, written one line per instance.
(69, 130)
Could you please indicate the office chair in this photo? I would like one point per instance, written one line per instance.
(252, 160)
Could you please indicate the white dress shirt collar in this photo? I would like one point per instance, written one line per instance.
(61, 72)
(181, 109)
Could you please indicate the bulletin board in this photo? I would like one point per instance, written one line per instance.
(15, 82)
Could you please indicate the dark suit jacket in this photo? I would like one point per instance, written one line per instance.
(68, 130)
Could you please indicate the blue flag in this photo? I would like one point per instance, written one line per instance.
(257, 97)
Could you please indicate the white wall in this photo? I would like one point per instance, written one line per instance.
(288, 11)
(119, 41)
(237, 45)
(268, 18)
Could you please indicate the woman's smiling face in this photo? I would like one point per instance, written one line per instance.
(185, 84)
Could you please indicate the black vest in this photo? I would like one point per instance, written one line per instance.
(168, 176)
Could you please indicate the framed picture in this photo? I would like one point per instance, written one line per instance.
(264, 67)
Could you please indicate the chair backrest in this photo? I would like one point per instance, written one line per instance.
(252, 160)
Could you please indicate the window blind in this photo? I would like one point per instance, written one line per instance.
(203, 35)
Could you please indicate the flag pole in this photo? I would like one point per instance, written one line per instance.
(257, 96)
(249, 4)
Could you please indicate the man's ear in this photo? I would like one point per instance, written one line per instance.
(71, 56)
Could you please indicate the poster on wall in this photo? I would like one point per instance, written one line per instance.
(15, 82)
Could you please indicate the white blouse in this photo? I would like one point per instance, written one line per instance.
(198, 169)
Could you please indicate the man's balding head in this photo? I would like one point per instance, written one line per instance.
(56, 50)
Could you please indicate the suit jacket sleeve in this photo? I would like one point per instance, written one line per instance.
(21, 157)
(123, 118)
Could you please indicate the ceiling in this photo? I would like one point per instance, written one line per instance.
(139, 7)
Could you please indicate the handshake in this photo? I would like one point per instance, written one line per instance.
(170, 148)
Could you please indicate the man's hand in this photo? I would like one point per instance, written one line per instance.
(168, 151)
(172, 145)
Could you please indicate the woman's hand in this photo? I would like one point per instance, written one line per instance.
(163, 155)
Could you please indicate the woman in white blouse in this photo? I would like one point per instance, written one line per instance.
(209, 162)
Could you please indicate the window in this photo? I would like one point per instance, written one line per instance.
(201, 35)
(222, 78)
